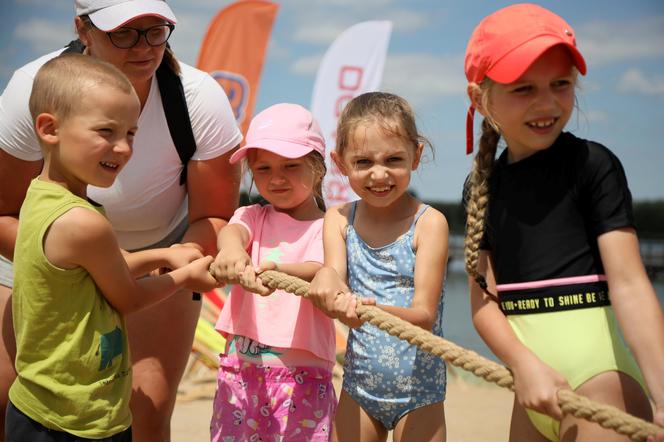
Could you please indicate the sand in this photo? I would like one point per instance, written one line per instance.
(475, 410)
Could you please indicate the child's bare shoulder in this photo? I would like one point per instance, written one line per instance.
(434, 217)
(432, 222)
(80, 224)
(77, 236)
(340, 210)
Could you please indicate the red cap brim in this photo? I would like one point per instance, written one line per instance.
(513, 65)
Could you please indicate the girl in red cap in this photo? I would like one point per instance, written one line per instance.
(551, 249)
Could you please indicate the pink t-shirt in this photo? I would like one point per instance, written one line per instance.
(281, 319)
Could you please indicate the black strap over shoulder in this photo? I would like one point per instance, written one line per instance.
(175, 109)
(75, 46)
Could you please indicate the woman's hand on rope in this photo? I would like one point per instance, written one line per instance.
(536, 386)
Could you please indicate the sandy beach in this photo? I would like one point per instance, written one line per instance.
(475, 410)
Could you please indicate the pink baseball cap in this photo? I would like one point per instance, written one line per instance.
(286, 129)
(505, 44)
(108, 15)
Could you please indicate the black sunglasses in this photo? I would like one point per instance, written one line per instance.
(126, 37)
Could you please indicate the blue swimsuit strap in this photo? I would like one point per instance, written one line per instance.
(420, 212)
(351, 215)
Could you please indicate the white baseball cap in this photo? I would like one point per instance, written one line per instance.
(108, 15)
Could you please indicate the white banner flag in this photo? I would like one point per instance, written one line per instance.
(351, 66)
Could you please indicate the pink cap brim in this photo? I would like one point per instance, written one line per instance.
(513, 65)
(286, 149)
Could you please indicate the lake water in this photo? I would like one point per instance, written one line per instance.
(457, 324)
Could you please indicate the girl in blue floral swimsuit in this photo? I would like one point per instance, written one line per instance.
(390, 248)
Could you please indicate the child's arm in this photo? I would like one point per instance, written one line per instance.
(143, 262)
(84, 238)
(303, 270)
(329, 291)
(431, 245)
(637, 309)
(535, 383)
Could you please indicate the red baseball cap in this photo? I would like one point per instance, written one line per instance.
(505, 44)
(287, 129)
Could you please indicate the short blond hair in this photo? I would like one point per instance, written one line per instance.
(61, 83)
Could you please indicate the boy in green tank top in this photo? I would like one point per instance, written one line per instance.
(72, 283)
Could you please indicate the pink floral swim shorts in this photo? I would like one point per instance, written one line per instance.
(272, 404)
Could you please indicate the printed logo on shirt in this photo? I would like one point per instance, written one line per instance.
(236, 87)
(110, 346)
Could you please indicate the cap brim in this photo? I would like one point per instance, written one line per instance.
(113, 17)
(282, 148)
(513, 65)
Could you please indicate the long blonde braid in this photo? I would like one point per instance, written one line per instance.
(478, 200)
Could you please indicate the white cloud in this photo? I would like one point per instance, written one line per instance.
(188, 35)
(420, 78)
(346, 5)
(182, 5)
(588, 85)
(635, 81)
(307, 65)
(321, 22)
(605, 42)
(318, 32)
(277, 51)
(424, 78)
(407, 20)
(49, 37)
(595, 116)
(48, 4)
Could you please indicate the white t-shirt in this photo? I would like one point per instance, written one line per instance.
(146, 202)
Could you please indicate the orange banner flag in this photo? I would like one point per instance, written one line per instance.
(233, 52)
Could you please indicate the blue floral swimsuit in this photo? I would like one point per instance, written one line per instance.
(385, 375)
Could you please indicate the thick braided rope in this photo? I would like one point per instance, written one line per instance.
(571, 403)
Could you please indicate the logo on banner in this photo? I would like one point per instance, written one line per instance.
(349, 85)
(237, 90)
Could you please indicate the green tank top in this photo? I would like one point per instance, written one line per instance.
(72, 355)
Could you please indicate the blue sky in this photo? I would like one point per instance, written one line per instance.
(621, 98)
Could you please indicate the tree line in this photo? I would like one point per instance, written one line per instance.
(648, 215)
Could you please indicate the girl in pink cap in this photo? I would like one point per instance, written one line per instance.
(275, 374)
(551, 249)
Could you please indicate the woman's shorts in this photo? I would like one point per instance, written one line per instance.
(6, 272)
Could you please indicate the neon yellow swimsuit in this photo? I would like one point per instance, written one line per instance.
(576, 339)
